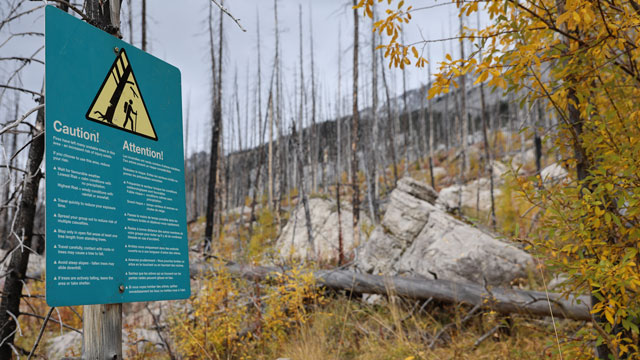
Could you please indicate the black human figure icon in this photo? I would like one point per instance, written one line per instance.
(128, 109)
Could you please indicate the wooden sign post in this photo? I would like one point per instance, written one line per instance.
(102, 324)
(102, 332)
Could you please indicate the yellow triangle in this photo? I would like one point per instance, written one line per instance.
(119, 102)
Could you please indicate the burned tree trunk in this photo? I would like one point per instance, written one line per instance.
(391, 134)
(17, 269)
(354, 133)
(502, 300)
(305, 200)
(215, 136)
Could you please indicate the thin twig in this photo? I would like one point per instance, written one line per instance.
(157, 326)
(446, 327)
(487, 335)
(21, 89)
(52, 320)
(44, 325)
(224, 10)
(23, 59)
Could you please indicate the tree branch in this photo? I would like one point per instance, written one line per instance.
(21, 89)
(224, 10)
(44, 325)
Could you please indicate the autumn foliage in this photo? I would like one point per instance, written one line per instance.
(581, 58)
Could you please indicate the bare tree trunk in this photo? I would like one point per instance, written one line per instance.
(487, 145)
(373, 182)
(215, 137)
(235, 85)
(314, 143)
(186, 137)
(17, 269)
(302, 108)
(261, 155)
(130, 20)
(354, 133)
(6, 210)
(303, 193)
(445, 120)
(276, 61)
(464, 118)
(408, 140)
(487, 155)
(512, 117)
(390, 127)
(536, 136)
(196, 167)
(259, 143)
(338, 166)
(431, 125)
(144, 25)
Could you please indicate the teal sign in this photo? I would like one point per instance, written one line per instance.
(115, 196)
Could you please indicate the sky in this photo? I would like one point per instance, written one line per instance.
(178, 34)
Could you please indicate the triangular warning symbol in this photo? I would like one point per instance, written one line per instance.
(119, 102)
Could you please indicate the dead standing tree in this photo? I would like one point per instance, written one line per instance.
(354, 133)
(23, 232)
(215, 132)
(102, 16)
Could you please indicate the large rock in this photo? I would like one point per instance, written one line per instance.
(475, 193)
(294, 242)
(439, 172)
(417, 238)
(62, 346)
(553, 173)
(522, 159)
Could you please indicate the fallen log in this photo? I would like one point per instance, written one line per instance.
(502, 300)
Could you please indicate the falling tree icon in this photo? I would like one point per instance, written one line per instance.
(119, 103)
(121, 71)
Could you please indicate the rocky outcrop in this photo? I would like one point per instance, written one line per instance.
(476, 193)
(553, 173)
(521, 159)
(417, 238)
(60, 347)
(294, 242)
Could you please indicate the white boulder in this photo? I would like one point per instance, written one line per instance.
(553, 173)
(416, 238)
(294, 242)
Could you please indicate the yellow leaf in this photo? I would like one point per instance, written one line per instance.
(608, 314)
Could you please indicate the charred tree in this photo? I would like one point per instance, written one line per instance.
(17, 268)
(144, 25)
(354, 132)
(391, 134)
(215, 131)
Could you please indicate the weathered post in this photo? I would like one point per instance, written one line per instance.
(102, 324)
(102, 328)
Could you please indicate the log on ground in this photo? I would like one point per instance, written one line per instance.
(502, 300)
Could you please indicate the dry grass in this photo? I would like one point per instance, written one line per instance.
(347, 329)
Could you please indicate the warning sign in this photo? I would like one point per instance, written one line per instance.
(119, 102)
(116, 225)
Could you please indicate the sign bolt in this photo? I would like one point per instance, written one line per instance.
(116, 50)
(121, 289)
